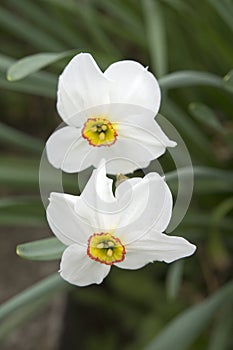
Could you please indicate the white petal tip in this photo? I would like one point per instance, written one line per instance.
(78, 283)
(188, 250)
(172, 144)
(193, 248)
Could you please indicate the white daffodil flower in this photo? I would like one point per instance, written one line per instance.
(101, 229)
(108, 115)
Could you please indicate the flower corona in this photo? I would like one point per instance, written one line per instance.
(105, 248)
(99, 132)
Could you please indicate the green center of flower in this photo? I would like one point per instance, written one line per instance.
(99, 132)
(105, 248)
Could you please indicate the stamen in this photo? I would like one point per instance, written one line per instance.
(111, 244)
(104, 127)
(109, 252)
(100, 246)
(93, 128)
(102, 136)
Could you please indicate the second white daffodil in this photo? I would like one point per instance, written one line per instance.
(101, 229)
(108, 115)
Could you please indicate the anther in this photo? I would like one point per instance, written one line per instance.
(93, 128)
(109, 252)
(111, 244)
(102, 136)
(100, 246)
(104, 127)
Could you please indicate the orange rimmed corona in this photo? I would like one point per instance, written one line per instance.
(105, 248)
(99, 132)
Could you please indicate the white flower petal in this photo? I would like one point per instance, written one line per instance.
(155, 247)
(77, 268)
(68, 150)
(65, 223)
(133, 84)
(81, 85)
(147, 132)
(126, 186)
(99, 186)
(66, 107)
(97, 203)
(165, 217)
(140, 140)
(114, 112)
(144, 207)
(123, 157)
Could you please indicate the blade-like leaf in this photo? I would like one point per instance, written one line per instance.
(33, 63)
(205, 115)
(21, 211)
(207, 180)
(15, 219)
(156, 35)
(174, 279)
(191, 78)
(21, 172)
(43, 18)
(23, 29)
(224, 10)
(221, 335)
(11, 136)
(41, 83)
(228, 80)
(198, 142)
(44, 249)
(24, 305)
(48, 286)
(184, 329)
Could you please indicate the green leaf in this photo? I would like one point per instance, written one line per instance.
(184, 329)
(15, 219)
(224, 11)
(43, 249)
(221, 335)
(22, 211)
(197, 219)
(11, 136)
(123, 14)
(191, 78)
(41, 17)
(19, 171)
(90, 15)
(17, 309)
(31, 86)
(228, 80)
(180, 6)
(23, 173)
(43, 288)
(31, 64)
(156, 35)
(205, 115)
(207, 179)
(41, 83)
(24, 30)
(216, 248)
(195, 137)
(174, 279)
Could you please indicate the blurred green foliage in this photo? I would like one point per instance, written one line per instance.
(188, 46)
